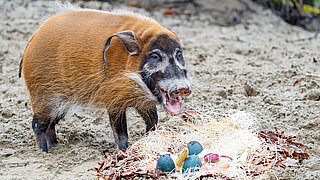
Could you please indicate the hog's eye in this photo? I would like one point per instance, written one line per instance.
(154, 60)
(155, 57)
(180, 57)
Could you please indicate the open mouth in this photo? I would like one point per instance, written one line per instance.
(172, 104)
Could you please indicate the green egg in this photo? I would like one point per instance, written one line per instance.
(166, 164)
(194, 148)
(193, 162)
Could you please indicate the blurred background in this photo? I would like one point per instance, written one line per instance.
(304, 13)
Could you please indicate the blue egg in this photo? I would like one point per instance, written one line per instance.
(193, 162)
(166, 164)
(194, 148)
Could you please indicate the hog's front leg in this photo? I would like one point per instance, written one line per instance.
(118, 123)
(150, 116)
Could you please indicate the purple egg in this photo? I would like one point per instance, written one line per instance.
(211, 158)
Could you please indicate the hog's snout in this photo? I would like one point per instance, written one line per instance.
(173, 92)
(180, 92)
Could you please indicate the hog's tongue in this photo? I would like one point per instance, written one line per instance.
(172, 105)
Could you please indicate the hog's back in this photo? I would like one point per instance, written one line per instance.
(65, 54)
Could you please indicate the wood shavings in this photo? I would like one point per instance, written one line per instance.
(124, 164)
(275, 152)
(139, 160)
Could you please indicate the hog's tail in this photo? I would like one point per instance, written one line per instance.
(21, 61)
(20, 68)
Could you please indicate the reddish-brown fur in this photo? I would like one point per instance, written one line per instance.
(62, 63)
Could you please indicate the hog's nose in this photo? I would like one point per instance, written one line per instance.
(180, 92)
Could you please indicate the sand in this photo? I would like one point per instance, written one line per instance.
(247, 67)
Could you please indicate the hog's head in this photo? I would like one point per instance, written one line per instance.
(164, 72)
(162, 67)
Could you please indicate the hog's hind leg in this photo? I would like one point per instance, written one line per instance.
(51, 135)
(44, 129)
(40, 132)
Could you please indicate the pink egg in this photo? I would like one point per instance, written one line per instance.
(211, 158)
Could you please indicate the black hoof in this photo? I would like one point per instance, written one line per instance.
(39, 130)
(123, 146)
(53, 143)
(123, 142)
(51, 136)
(42, 142)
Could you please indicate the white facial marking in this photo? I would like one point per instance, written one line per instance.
(161, 66)
(181, 66)
(169, 84)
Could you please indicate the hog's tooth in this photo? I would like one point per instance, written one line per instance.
(171, 109)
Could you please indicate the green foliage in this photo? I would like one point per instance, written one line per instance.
(316, 3)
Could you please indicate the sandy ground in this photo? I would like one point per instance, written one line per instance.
(250, 67)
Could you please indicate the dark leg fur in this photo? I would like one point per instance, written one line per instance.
(150, 116)
(45, 133)
(51, 135)
(118, 123)
(40, 131)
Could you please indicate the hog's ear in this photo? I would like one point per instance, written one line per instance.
(129, 40)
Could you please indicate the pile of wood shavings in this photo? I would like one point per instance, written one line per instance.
(277, 151)
(272, 151)
(128, 164)
(124, 164)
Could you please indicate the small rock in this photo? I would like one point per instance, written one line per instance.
(315, 60)
(223, 94)
(7, 113)
(238, 51)
(202, 57)
(313, 95)
(250, 90)
(268, 100)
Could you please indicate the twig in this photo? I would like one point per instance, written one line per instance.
(193, 2)
(306, 39)
(208, 10)
(313, 75)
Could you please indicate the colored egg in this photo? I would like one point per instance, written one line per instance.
(211, 158)
(165, 163)
(205, 167)
(220, 167)
(194, 148)
(191, 164)
(182, 156)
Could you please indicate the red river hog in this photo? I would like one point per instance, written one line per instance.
(111, 60)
